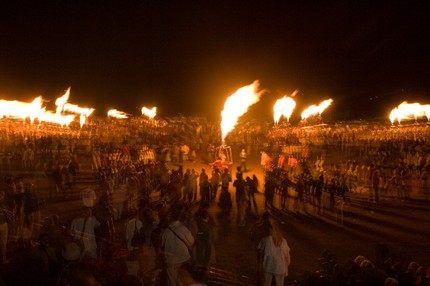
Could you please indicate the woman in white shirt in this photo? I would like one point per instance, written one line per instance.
(276, 257)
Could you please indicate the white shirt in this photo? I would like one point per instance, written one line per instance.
(276, 259)
(176, 251)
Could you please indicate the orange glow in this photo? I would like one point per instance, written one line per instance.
(149, 112)
(237, 105)
(316, 109)
(21, 110)
(284, 107)
(408, 111)
(64, 106)
(63, 120)
(33, 110)
(117, 114)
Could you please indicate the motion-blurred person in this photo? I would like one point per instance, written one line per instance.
(276, 258)
(5, 213)
(240, 186)
(176, 239)
(243, 157)
(31, 211)
(251, 190)
(83, 228)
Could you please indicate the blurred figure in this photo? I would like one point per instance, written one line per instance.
(276, 258)
(243, 157)
(4, 229)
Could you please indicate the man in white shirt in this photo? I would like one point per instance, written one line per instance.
(83, 228)
(177, 239)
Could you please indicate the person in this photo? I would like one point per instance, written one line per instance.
(4, 230)
(88, 196)
(134, 225)
(204, 249)
(31, 211)
(240, 186)
(319, 186)
(215, 183)
(276, 257)
(83, 228)
(269, 191)
(205, 190)
(259, 230)
(375, 180)
(176, 238)
(243, 157)
(251, 190)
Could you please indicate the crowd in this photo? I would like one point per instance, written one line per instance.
(133, 159)
(386, 268)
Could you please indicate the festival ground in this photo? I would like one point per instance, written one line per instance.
(349, 230)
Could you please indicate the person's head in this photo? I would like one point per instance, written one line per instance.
(276, 236)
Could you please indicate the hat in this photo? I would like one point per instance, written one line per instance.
(71, 251)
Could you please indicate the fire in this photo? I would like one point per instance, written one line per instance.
(63, 120)
(21, 110)
(149, 112)
(237, 105)
(316, 109)
(394, 115)
(407, 110)
(64, 106)
(284, 107)
(117, 114)
(32, 110)
(61, 101)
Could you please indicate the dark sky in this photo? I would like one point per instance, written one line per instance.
(189, 56)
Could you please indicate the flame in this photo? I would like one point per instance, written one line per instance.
(149, 112)
(407, 110)
(237, 105)
(32, 110)
(64, 106)
(63, 120)
(284, 107)
(394, 114)
(21, 110)
(117, 114)
(316, 109)
(61, 101)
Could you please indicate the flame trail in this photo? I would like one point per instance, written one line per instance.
(61, 101)
(316, 109)
(407, 110)
(117, 114)
(149, 112)
(63, 120)
(64, 106)
(237, 105)
(32, 110)
(284, 107)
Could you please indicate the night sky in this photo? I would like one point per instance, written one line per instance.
(189, 56)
